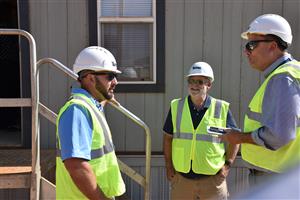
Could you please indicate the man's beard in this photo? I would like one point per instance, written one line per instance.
(101, 89)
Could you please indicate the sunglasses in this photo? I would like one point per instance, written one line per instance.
(110, 75)
(251, 45)
(198, 82)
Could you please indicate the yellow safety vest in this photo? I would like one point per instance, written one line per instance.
(103, 158)
(189, 144)
(283, 157)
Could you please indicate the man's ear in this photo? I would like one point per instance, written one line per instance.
(209, 84)
(273, 45)
(90, 78)
(88, 81)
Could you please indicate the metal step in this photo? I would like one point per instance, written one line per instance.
(15, 167)
(15, 177)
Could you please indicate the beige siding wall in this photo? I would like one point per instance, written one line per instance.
(60, 31)
(196, 30)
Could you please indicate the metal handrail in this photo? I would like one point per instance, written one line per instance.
(145, 182)
(35, 141)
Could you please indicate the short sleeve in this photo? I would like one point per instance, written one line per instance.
(168, 126)
(75, 133)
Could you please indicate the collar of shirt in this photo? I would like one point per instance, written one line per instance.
(86, 93)
(286, 57)
(206, 104)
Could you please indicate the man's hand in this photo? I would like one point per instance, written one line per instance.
(170, 172)
(232, 136)
(224, 171)
(168, 156)
(236, 137)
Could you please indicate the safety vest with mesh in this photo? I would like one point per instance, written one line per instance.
(259, 156)
(206, 152)
(103, 159)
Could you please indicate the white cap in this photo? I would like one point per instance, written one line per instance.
(201, 69)
(96, 59)
(270, 24)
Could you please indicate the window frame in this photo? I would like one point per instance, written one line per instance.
(158, 20)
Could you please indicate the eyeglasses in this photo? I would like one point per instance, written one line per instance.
(110, 75)
(198, 82)
(251, 45)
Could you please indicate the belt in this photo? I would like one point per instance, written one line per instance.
(194, 176)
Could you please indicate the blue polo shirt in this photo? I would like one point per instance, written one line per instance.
(75, 129)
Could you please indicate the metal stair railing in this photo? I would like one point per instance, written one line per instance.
(33, 103)
(37, 107)
(51, 116)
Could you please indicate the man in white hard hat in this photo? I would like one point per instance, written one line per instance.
(271, 136)
(197, 163)
(86, 164)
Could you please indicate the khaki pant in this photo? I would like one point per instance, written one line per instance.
(211, 187)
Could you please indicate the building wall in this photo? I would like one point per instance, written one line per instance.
(196, 30)
(60, 29)
(202, 30)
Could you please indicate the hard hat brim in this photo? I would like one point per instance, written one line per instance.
(114, 71)
(199, 74)
(244, 35)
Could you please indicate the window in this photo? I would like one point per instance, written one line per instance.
(133, 30)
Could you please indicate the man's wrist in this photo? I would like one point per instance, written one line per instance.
(228, 163)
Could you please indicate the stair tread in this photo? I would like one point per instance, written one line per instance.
(15, 161)
(15, 170)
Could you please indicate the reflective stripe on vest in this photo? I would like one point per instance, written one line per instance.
(199, 137)
(285, 156)
(95, 153)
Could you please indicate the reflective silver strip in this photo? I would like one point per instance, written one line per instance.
(293, 65)
(199, 137)
(95, 153)
(208, 138)
(254, 115)
(218, 109)
(179, 113)
(98, 153)
(188, 136)
(108, 147)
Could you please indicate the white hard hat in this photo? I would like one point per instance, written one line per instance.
(201, 69)
(96, 59)
(270, 24)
